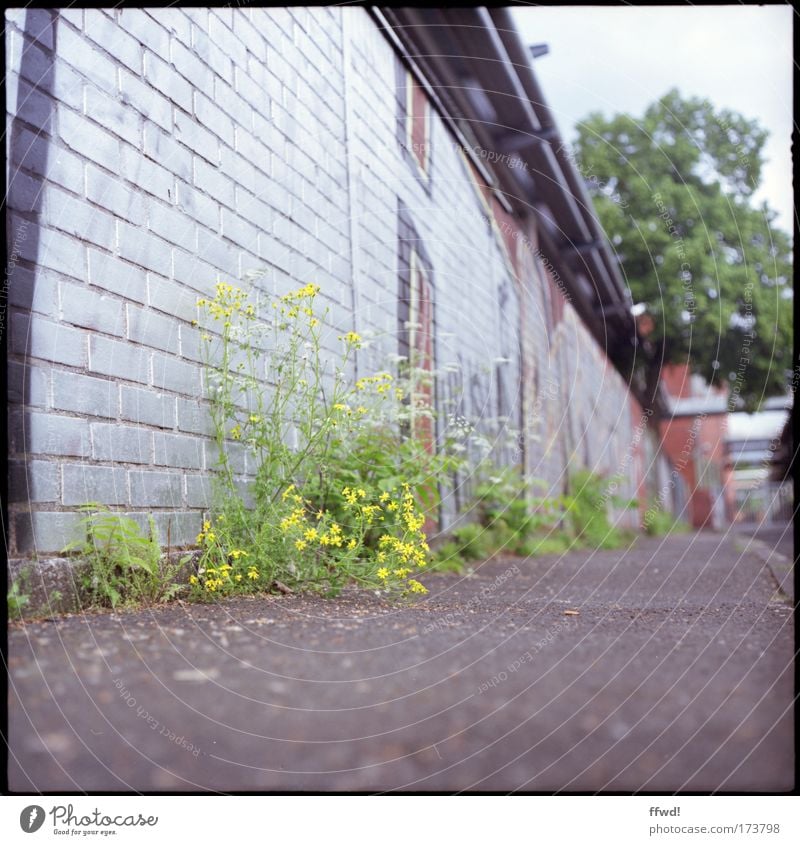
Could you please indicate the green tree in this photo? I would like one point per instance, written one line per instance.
(674, 192)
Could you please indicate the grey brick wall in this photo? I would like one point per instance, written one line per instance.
(152, 153)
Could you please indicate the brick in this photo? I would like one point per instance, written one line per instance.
(145, 30)
(222, 35)
(34, 481)
(105, 32)
(194, 272)
(214, 182)
(196, 138)
(147, 407)
(173, 374)
(215, 119)
(156, 489)
(173, 226)
(119, 359)
(47, 247)
(114, 115)
(167, 152)
(25, 193)
(87, 139)
(172, 298)
(139, 247)
(192, 345)
(252, 149)
(66, 85)
(198, 491)
(38, 338)
(37, 292)
(212, 55)
(194, 417)
(193, 69)
(166, 79)
(146, 100)
(90, 63)
(74, 16)
(239, 230)
(77, 218)
(28, 384)
(175, 21)
(218, 253)
(39, 24)
(113, 195)
(49, 434)
(239, 110)
(237, 456)
(249, 35)
(84, 483)
(44, 531)
(111, 274)
(121, 443)
(178, 528)
(198, 206)
(91, 309)
(178, 450)
(147, 175)
(152, 329)
(28, 104)
(84, 395)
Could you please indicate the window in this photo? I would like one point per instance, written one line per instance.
(416, 325)
(413, 123)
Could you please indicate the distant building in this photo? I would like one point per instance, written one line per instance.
(693, 437)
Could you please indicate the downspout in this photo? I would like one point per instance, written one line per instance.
(352, 175)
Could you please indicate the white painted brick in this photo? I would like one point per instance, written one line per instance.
(147, 407)
(91, 309)
(105, 33)
(173, 226)
(119, 359)
(152, 329)
(39, 338)
(113, 195)
(146, 100)
(85, 138)
(113, 114)
(111, 274)
(167, 151)
(167, 80)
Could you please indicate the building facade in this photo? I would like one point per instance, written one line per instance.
(153, 153)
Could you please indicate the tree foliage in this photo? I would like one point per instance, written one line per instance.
(674, 192)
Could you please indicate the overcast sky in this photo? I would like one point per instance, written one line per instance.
(621, 59)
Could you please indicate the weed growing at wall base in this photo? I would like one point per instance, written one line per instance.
(338, 488)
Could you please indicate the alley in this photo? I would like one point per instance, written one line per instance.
(666, 666)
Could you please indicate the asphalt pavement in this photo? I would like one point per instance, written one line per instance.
(665, 667)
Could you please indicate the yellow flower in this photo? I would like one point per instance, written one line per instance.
(384, 497)
(237, 553)
(252, 574)
(311, 534)
(192, 579)
(392, 506)
(300, 545)
(383, 573)
(236, 432)
(254, 418)
(416, 587)
(351, 338)
(352, 544)
(237, 577)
